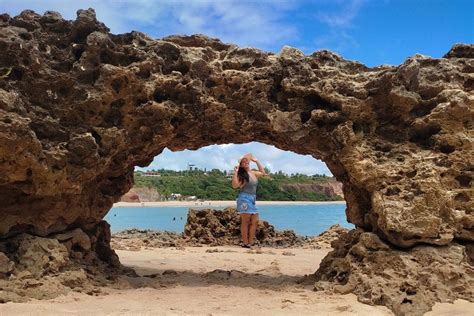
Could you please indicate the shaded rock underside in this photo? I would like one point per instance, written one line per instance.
(80, 108)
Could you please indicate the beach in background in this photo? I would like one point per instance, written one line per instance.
(304, 218)
(228, 203)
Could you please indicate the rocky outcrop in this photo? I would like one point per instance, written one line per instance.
(331, 189)
(136, 239)
(130, 196)
(408, 282)
(327, 237)
(46, 267)
(218, 228)
(80, 108)
(146, 194)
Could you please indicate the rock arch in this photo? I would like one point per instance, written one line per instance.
(80, 107)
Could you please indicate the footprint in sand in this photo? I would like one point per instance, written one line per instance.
(343, 308)
(274, 268)
(287, 301)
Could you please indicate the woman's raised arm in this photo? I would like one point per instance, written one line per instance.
(259, 166)
(235, 180)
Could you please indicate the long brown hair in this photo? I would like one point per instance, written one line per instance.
(243, 175)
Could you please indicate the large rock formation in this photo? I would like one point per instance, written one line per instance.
(46, 267)
(130, 196)
(408, 282)
(219, 228)
(80, 107)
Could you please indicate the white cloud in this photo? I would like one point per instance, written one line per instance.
(336, 40)
(344, 16)
(225, 157)
(246, 23)
(268, 25)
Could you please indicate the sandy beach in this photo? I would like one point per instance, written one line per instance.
(217, 203)
(214, 281)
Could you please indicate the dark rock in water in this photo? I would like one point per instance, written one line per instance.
(206, 227)
(217, 228)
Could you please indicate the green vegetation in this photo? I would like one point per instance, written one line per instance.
(215, 185)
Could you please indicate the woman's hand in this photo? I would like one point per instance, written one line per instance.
(250, 157)
(236, 168)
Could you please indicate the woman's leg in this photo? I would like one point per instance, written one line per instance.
(253, 227)
(244, 227)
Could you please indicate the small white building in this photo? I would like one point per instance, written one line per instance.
(176, 196)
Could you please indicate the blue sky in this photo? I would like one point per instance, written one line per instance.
(373, 32)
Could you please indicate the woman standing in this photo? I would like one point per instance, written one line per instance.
(247, 180)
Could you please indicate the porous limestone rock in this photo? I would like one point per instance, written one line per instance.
(408, 282)
(217, 228)
(326, 238)
(46, 267)
(6, 265)
(80, 108)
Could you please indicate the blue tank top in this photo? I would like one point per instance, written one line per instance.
(251, 186)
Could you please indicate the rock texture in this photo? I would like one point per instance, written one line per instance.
(330, 188)
(218, 228)
(46, 267)
(80, 108)
(130, 196)
(136, 239)
(408, 282)
(326, 238)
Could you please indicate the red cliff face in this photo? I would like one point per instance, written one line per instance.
(329, 188)
(130, 196)
(80, 108)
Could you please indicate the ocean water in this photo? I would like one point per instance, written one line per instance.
(305, 219)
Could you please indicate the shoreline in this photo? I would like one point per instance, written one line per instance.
(228, 203)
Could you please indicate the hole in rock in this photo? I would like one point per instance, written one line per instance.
(447, 149)
(464, 180)
(462, 197)
(201, 179)
(298, 200)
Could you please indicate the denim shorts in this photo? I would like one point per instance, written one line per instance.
(246, 203)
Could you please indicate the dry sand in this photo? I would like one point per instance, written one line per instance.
(215, 281)
(211, 204)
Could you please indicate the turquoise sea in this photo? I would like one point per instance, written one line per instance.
(305, 219)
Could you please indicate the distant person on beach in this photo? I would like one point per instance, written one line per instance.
(247, 180)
